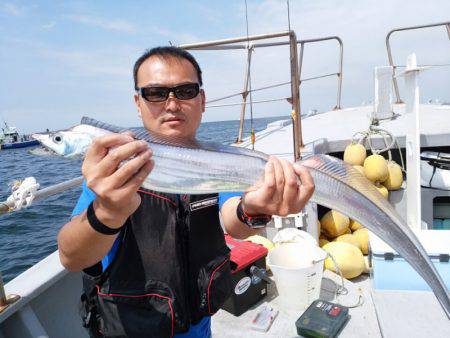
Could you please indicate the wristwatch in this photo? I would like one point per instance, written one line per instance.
(254, 222)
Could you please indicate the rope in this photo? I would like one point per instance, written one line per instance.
(390, 142)
(248, 91)
(341, 289)
(23, 194)
(241, 103)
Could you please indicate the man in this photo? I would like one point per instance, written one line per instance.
(157, 264)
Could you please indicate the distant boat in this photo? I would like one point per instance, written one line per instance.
(10, 139)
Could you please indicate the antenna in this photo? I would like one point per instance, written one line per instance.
(252, 135)
(289, 17)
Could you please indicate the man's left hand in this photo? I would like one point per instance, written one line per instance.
(284, 189)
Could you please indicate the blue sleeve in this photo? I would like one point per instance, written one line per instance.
(87, 196)
(224, 196)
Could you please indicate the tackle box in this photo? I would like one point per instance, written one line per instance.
(248, 288)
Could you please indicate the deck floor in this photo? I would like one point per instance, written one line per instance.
(384, 313)
(363, 321)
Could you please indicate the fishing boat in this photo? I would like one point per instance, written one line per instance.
(392, 301)
(11, 139)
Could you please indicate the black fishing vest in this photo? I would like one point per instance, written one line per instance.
(171, 269)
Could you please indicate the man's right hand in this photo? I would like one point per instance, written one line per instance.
(116, 187)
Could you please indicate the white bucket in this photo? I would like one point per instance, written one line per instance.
(297, 269)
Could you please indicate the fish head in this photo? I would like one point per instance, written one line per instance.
(66, 143)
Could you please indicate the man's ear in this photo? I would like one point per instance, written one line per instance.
(137, 102)
(203, 97)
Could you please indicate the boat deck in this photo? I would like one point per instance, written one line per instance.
(382, 313)
(48, 292)
(331, 131)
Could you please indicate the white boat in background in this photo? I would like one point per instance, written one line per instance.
(11, 139)
(48, 295)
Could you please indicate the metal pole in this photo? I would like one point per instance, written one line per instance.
(413, 200)
(233, 40)
(2, 292)
(341, 56)
(388, 46)
(46, 192)
(244, 94)
(391, 62)
(295, 83)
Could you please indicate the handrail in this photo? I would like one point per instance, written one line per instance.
(231, 44)
(388, 47)
(295, 81)
(45, 192)
(339, 73)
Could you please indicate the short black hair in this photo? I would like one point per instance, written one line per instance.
(167, 52)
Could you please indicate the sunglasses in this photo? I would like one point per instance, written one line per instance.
(159, 94)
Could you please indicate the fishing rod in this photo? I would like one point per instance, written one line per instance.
(23, 196)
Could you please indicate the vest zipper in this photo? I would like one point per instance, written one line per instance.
(184, 229)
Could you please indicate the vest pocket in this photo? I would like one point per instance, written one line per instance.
(214, 284)
(137, 314)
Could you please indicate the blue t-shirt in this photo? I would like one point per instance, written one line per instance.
(203, 328)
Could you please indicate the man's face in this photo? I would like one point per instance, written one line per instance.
(173, 117)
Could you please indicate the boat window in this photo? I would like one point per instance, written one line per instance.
(441, 213)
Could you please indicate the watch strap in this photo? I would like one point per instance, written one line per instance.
(255, 222)
(97, 225)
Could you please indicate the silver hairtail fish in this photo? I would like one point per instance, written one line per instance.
(198, 168)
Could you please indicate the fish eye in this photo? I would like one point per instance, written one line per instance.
(57, 138)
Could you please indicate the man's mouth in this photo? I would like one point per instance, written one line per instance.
(174, 119)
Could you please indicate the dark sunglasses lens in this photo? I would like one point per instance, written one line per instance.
(187, 91)
(155, 94)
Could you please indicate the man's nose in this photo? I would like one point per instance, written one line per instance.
(172, 103)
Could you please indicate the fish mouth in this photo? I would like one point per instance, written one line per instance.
(42, 139)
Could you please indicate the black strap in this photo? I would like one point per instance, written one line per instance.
(97, 225)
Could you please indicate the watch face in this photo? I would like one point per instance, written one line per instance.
(257, 222)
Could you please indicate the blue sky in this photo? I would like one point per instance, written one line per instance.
(62, 60)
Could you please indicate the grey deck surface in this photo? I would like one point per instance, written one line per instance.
(363, 321)
(411, 314)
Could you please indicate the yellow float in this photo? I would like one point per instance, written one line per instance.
(348, 258)
(362, 235)
(334, 223)
(355, 154)
(375, 168)
(395, 176)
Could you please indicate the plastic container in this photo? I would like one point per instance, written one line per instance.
(297, 269)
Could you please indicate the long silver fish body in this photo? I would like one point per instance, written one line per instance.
(341, 187)
(208, 167)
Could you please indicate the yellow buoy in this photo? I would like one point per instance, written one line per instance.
(355, 225)
(323, 241)
(360, 168)
(375, 168)
(355, 154)
(395, 176)
(362, 235)
(261, 240)
(382, 189)
(348, 238)
(334, 223)
(348, 258)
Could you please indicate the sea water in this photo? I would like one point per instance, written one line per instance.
(29, 235)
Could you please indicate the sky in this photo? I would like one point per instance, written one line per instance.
(61, 60)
